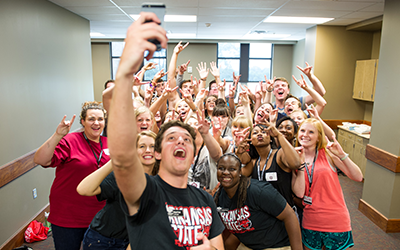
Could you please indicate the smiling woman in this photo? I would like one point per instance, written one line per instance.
(74, 155)
(254, 213)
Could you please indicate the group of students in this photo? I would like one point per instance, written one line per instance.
(184, 167)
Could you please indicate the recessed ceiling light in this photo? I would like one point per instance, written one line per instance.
(96, 34)
(175, 18)
(289, 19)
(181, 35)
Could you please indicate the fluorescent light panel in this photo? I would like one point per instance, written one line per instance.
(96, 34)
(289, 19)
(181, 35)
(175, 18)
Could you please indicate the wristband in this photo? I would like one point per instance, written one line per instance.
(269, 90)
(344, 157)
(203, 79)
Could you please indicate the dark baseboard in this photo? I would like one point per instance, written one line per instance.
(18, 238)
(387, 225)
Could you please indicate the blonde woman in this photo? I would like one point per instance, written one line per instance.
(326, 219)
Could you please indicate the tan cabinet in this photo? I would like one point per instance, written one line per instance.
(365, 80)
(355, 146)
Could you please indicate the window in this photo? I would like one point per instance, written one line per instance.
(228, 60)
(252, 61)
(159, 57)
(260, 59)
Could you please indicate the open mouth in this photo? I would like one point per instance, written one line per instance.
(143, 128)
(289, 110)
(183, 114)
(180, 153)
(148, 157)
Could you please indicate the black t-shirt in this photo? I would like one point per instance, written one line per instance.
(110, 221)
(255, 223)
(280, 180)
(170, 218)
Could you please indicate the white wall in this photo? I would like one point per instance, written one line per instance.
(46, 72)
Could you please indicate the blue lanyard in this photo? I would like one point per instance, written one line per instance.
(310, 175)
(265, 165)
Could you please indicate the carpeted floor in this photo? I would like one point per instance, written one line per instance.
(367, 236)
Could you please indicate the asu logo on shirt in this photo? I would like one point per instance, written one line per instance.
(237, 221)
(187, 222)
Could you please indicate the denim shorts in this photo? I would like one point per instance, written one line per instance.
(93, 240)
(315, 240)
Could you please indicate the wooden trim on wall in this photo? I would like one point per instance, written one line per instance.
(19, 166)
(17, 239)
(383, 158)
(16, 168)
(387, 225)
(334, 123)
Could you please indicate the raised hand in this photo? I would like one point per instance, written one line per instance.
(272, 130)
(335, 148)
(159, 75)
(183, 67)
(214, 70)
(178, 48)
(221, 86)
(64, 126)
(149, 66)
(203, 93)
(167, 90)
(312, 110)
(300, 151)
(242, 140)
(236, 78)
(203, 124)
(244, 97)
(149, 93)
(306, 70)
(248, 91)
(269, 84)
(302, 83)
(213, 191)
(273, 116)
(232, 89)
(203, 71)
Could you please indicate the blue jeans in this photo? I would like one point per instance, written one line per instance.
(93, 240)
(67, 238)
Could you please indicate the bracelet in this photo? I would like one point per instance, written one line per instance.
(269, 90)
(344, 157)
(302, 166)
(203, 79)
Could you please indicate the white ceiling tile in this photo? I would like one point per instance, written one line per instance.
(230, 19)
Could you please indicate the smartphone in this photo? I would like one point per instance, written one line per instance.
(159, 10)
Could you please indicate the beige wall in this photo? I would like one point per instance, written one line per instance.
(196, 53)
(46, 73)
(101, 62)
(336, 51)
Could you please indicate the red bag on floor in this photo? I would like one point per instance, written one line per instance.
(36, 232)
